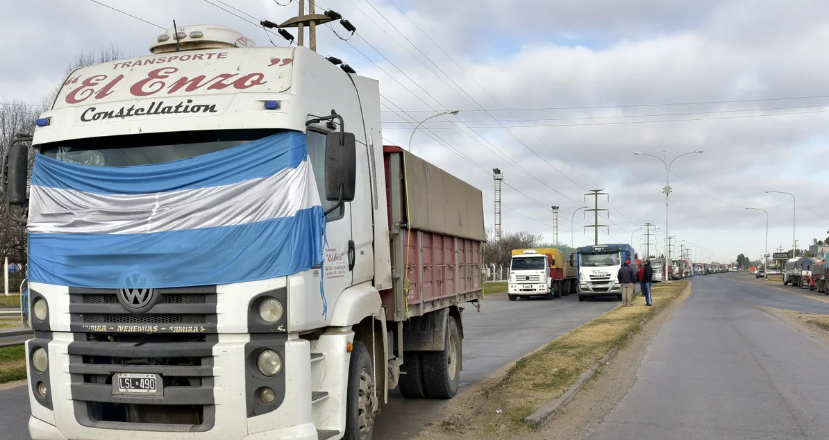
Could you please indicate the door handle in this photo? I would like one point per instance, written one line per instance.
(351, 256)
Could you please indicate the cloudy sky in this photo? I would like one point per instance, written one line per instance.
(557, 94)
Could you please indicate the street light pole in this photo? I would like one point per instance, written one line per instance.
(766, 253)
(448, 112)
(572, 217)
(667, 191)
(794, 219)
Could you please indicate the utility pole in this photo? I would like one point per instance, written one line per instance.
(498, 178)
(595, 193)
(312, 19)
(555, 225)
(648, 235)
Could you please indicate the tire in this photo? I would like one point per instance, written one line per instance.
(619, 297)
(565, 288)
(557, 286)
(441, 369)
(411, 383)
(362, 403)
(512, 297)
(574, 286)
(582, 298)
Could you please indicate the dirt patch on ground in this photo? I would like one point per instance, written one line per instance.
(813, 324)
(495, 407)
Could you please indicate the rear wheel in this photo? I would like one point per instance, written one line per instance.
(582, 298)
(411, 377)
(557, 286)
(441, 369)
(363, 403)
(565, 288)
(619, 297)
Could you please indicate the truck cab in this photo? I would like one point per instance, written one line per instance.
(532, 273)
(658, 273)
(221, 248)
(599, 268)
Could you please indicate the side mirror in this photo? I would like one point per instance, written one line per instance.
(340, 168)
(17, 171)
(552, 262)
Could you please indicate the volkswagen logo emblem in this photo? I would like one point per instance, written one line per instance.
(527, 278)
(136, 300)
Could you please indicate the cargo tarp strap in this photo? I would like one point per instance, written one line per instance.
(245, 213)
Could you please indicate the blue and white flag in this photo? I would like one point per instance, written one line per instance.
(246, 213)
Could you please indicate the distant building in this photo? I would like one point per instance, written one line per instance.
(818, 251)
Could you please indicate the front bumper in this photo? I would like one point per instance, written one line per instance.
(528, 289)
(291, 420)
(593, 289)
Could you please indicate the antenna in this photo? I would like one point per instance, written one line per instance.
(175, 33)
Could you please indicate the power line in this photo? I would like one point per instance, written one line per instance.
(668, 104)
(128, 14)
(578, 118)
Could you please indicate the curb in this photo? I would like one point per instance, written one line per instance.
(546, 412)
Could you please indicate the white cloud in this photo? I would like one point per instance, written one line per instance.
(553, 54)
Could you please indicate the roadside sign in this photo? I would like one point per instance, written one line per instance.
(781, 255)
(766, 255)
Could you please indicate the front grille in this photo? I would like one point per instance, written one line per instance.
(122, 318)
(166, 299)
(602, 277)
(176, 310)
(173, 339)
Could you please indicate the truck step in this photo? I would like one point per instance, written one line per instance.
(322, 435)
(317, 396)
(315, 357)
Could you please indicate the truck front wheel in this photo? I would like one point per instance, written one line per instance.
(363, 403)
(565, 288)
(441, 369)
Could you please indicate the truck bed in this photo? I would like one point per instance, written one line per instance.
(436, 224)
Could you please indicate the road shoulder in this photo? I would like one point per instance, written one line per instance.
(469, 413)
(810, 324)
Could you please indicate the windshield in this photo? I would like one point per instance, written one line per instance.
(153, 148)
(150, 148)
(600, 259)
(528, 263)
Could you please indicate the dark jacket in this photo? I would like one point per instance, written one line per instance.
(627, 275)
(647, 277)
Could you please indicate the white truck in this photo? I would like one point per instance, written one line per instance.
(221, 248)
(599, 268)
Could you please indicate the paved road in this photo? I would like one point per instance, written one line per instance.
(502, 332)
(722, 369)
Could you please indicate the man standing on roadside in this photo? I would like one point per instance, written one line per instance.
(627, 278)
(646, 281)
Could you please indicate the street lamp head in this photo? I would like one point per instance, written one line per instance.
(768, 192)
(636, 153)
(698, 151)
(454, 112)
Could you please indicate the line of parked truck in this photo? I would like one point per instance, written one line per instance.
(589, 271)
(807, 273)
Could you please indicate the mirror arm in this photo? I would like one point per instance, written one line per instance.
(338, 205)
(329, 118)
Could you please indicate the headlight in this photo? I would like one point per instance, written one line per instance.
(41, 389)
(40, 361)
(269, 363)
(267, 395)
(40, 309)
(270, 310)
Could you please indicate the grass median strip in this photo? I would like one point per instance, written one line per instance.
(547, 373)
(12, 363)
(13, 300)
(495, 287)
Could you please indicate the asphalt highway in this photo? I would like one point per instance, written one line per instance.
(723, 369)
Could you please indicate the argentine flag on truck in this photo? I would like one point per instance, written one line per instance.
(246, 213)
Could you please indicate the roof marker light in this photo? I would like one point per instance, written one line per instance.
(42, 122)
(271, 105)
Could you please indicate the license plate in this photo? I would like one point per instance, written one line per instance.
(137, 383)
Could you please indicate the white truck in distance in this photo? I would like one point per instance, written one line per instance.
(599, 268)
(221, 248)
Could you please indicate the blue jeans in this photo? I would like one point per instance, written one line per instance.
(646, 291)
